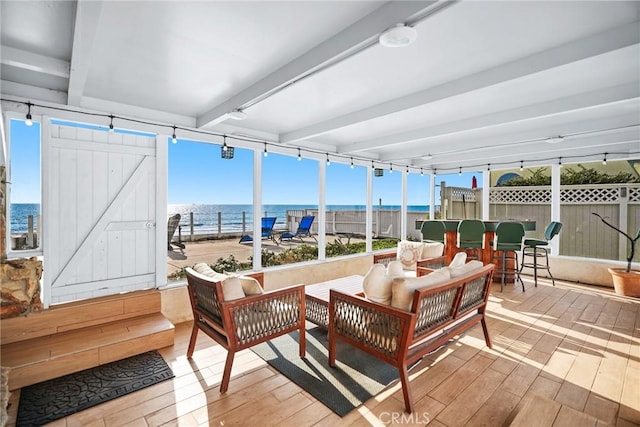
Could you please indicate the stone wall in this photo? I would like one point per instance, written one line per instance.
(19, 278)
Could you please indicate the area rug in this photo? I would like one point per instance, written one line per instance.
(53, 399)
(356, 377)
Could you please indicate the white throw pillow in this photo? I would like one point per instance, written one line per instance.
(432, 250)
(394, 269)
(409, 253)
(403, 288)
(250, 286)
(204, 269)
(458, 260)
(377, 285)
(464, 269)
(232, 289)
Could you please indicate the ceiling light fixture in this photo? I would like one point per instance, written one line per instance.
(299, 156)
(352, 163)
(559, 162)
(460, 171)
(111, 123)
(427, 157)
(372, 166)
(604, 160)
(226, 151)
(521, 165)
(399, 36)
(238, 115)
(28, 120)
(554, 139)
(265, 150)
(421, 172)
(390, 167)
(328, 161)
(174, 139)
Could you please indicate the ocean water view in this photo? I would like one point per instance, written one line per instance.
(205, 217)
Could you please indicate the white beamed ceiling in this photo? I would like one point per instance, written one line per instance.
(485, 81)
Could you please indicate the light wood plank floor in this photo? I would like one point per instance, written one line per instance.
(565, 356)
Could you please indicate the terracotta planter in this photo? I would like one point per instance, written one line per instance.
(627, 284)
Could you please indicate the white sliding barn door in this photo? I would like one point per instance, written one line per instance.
(101, 213)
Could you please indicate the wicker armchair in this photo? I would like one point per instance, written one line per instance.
(244, 322)
(401, 338)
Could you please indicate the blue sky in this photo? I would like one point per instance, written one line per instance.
(198, 175)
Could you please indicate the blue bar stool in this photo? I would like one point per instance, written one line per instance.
(508, 240)
(535, 248)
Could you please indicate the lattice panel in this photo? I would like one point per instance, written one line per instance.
(634, 194)
(589, 195)
(523, 195)
(456, 193)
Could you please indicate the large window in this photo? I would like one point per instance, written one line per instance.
(387, 201)
(24, 189)
(418, 199)
(346, 198)
(214, 198)
(289, 193)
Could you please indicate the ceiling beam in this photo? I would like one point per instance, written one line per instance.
(555, 107)
(32, 93)
(34, 62)
(341, 45)
(584, 48)
(87, 18)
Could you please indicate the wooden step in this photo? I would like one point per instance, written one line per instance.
(82, 335)
(44, 358)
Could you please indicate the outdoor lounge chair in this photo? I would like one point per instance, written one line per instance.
(173, 223)
(268, 222)
(304, 230)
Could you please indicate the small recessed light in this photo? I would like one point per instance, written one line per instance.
(555, 139)
(237, 115)
(399, 36)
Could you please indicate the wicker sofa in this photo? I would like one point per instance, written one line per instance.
(401, 337)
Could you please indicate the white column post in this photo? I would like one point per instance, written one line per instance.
(257, 209)
(403, 207)
(486, 184)
(322, 210)
(369, 211)
(555, 205)
(432, 197)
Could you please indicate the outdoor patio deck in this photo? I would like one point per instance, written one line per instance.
(577, 348)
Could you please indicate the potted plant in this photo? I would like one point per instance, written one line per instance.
(625, 281)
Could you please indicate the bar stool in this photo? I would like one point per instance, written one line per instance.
(471, 236)
(508, 240)
(433, 231)
(536, 247)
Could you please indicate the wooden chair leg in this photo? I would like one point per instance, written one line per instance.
(406, 391)
(192, 341)
(226, 376)
(485, 330)
(303, 341)
(332, 352)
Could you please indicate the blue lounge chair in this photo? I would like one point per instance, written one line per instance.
(268, 223)
(304, 230)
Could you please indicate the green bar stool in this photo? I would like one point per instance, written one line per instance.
(433, 231)
(535, 248)
(471, 236)
(508, 240)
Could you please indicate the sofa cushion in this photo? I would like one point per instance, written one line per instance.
(377, 285)
(232, 289)
(464, 269)
(204, 269)
(409, 253)
(458, 260)
(250, 286)
(394, 269)
(402, 288)
(432, 250)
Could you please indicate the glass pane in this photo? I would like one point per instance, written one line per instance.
(346, 209)
(25, 194)
(387, 199)
(418, 196)
(214, 198)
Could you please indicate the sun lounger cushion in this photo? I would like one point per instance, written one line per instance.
(402, 288)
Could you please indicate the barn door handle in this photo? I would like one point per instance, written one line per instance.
(151, 225)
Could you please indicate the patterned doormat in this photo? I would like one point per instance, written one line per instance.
(54, 399)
